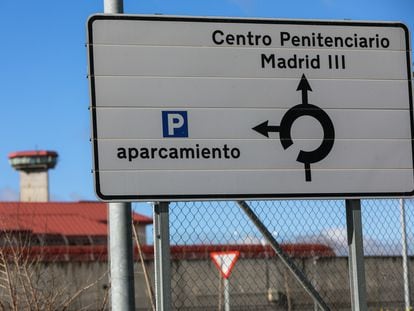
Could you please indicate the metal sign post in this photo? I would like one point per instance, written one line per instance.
(356, 255)
(162, 256)
(121, 257)
(404, 254)
(120, 234)
(226, 295)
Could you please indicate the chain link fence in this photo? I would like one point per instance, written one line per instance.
(312, 233)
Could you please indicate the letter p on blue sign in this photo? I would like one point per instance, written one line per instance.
(174, 124)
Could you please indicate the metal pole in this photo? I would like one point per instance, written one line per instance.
(226, 295)
(162, 256)
(356, 255)
(405, 256)
(283, 256)
(120, 233)
(113, 6)
(121, 257)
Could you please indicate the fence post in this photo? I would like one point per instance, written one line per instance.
(404, 251)
(162, 256)
(356, 255)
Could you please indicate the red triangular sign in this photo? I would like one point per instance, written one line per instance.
(225, 261)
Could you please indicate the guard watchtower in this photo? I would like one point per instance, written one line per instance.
(34, 178)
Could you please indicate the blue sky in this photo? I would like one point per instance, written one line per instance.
(44, 91)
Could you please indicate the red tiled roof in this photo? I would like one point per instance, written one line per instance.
(178, 252)
(32, 153)
(65, 218)
(201, 251)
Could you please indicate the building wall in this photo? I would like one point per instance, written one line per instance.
(196, 284)
(34, 186)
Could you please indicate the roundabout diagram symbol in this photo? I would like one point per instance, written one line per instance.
(284, 129)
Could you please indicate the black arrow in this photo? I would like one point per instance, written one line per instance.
(304, 86)
(264, 128)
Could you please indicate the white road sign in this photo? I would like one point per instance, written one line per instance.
(225, 261)
(215, 108)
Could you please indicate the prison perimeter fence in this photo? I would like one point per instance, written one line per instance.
(311, 232)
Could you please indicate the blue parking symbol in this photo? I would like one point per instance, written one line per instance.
(174, 124)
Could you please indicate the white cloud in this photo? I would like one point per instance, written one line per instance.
(249, 240)
(337, 239)
(73, 196)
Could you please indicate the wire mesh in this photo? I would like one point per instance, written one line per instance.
(312, 233)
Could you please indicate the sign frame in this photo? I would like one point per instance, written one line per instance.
(220, 196)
